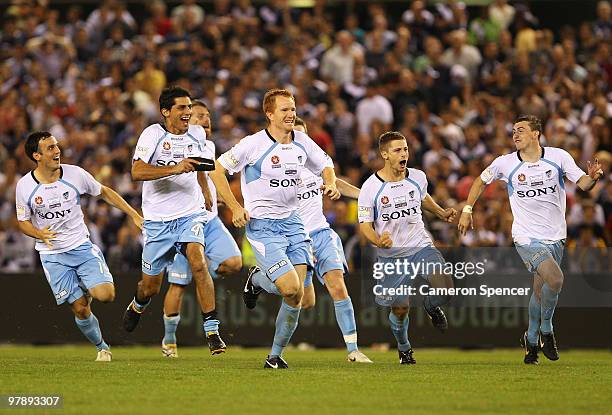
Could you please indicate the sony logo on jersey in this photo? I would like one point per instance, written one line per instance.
(399, 214)
(53, 215)
(283, 182)
(166, 163)
(308, 194)
(537, 192)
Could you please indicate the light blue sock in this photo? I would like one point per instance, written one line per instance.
(345, 316)
(140, 307)
(170, 325)
(549, 302)
(90, 327)
(286, 323)
(534, 320)
(262, 281)
(400, 331)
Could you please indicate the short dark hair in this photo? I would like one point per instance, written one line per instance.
(198, 103)
(31, 144)
(534, 122)
(387, 137)
(299, 121)
(168, 95)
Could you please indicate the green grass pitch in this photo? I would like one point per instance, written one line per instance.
(141, 381)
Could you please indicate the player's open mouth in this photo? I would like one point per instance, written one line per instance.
(186, 118)
(402, 163)
(56, 158)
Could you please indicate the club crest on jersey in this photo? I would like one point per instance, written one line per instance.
(521, 177)
(300, 159)
(411, 194)
(66, 195)
(548, 174)
(38, 200)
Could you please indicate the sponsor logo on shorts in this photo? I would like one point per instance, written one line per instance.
(277, 266)
(146, 265)
(61, 294)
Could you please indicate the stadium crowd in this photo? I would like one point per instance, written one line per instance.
(451, 81)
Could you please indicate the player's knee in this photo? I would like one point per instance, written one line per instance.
(292, 291)
(400, 312)
(557, 283)
(308, 302)
(107, 296)
(231, 265)
(198, 269)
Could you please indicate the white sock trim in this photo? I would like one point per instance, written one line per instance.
(351, 338)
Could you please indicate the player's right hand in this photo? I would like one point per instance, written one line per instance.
(240, 216)
(47, 235)
(465, 223)
(186, 165)
(385, 240)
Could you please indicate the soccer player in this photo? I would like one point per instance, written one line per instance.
(174, 208)
(330, 263)
(390, 217)
(271, 162)
(48, 204)
(534, 176)
(222, 253)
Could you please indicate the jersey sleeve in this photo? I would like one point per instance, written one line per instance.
(569, 167)
(422, 183)
(365, 204)
(145, 147)
(87, 183)
(237, 157)
(493, 172)
(317, 159)
(209, 150)
(21, 204)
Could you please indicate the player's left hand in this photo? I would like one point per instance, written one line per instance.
(240, 217)
(138, 221)
(594, 170)
(448, 215)
(331, 191)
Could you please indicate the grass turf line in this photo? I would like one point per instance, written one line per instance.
(140, 381)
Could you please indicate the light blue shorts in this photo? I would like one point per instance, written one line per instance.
(279, 244)
(425, 262)
(328, 254)
(537, 252)
(220, 246)
(162, 240)
(70, 274)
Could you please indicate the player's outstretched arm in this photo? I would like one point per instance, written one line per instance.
(346, 189)
(465, 221)
(594, 173)
(430, 205)
(46, 235)
(205, 190)
(142, 171)
(240, 216)
(114, 199)
(329, 183)
(382, 241)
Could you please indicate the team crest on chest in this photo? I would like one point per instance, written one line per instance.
(38, 200)
(275, 162)
(166, 146)
(66, 195)
(521, 177)
(411, 194)
(384, 200)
